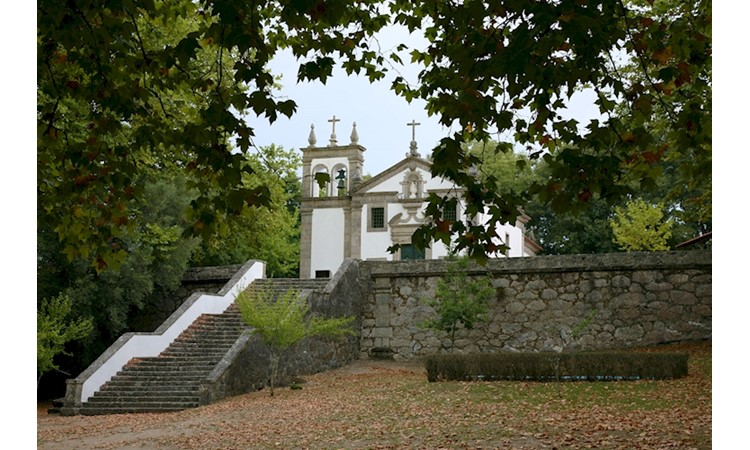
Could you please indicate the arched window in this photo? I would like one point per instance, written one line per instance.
(320, 182)
(340, 176)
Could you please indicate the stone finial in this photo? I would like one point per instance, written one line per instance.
(413, 145)
(354, 137)
(312, 139)
(333, 132)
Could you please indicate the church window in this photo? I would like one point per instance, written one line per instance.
(449, 213)
(376, 218)
(320, 182)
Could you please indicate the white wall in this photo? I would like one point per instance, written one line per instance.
(374, 244)
(133, 345)
(327, 240)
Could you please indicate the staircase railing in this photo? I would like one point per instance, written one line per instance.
(138, 345)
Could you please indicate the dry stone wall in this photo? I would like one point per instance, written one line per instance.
(629, 299)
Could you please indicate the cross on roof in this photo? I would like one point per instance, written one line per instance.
(413, 126)
(333, 132)
(413, 144)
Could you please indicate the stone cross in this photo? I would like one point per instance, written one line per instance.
(333, 133)
(413, 144)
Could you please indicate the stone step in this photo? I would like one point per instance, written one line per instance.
(161, 376)
(164, 369)
(141, 396)
(122, 387)
(208, 337)
(216, 351)
(171, 381)
(172, 363)
(136, 408)
(218, 329)
(184, 357)
(187, 366)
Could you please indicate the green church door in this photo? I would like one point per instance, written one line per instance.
(409, 251)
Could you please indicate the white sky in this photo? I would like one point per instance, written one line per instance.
(380, 114)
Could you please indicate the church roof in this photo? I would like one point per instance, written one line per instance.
(392, 171)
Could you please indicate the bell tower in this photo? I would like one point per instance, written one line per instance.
(333, 170)
(329, 175)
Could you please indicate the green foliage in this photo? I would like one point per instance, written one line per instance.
(156, 256)
(120, 92)
(512, 173)
(322, 178)
(460, 300)
(268, 233)
(584, 232)
(284, 320)
(54, 329)
(640, 226)
(510, 67)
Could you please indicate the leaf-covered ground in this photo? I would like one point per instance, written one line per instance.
(372, 405)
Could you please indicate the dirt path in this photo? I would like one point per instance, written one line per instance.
(139, 431)
(372, 404)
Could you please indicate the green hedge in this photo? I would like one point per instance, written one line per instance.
(594, 366)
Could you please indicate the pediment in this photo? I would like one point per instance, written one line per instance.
(395, 171)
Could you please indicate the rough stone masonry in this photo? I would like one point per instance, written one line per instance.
(631, 299)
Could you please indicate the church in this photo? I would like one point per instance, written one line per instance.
(345, 216)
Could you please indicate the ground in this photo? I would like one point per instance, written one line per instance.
(371, 404)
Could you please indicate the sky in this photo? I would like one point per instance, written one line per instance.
(381, 115)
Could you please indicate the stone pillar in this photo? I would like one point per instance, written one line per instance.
(382, 332)
(305, 251)
(355, 227)
(307, 180)
(347, 231)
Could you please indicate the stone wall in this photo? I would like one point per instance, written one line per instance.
(246, 367)
(632, 299)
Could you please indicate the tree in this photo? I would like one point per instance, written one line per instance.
(566, 233)
(269, 233)
(514, 173)
(509, 66)
(640, 226)
(284, 321)
(54, 329)
(489, 69)
(156, 257)
(460, 300)
(121, 94)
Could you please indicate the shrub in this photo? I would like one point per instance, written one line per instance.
(282, 321)
(460, 301)
(549, 366)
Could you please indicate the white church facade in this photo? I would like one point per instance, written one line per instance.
(344, 216)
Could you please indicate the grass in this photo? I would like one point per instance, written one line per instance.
(393, 406)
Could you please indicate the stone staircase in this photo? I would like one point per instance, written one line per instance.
(171, 381)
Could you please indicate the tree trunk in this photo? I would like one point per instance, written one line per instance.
(274, 369)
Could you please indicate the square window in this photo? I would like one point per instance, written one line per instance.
(449, 213)
(378, 218)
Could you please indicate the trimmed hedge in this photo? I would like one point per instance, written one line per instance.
(549, 366)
